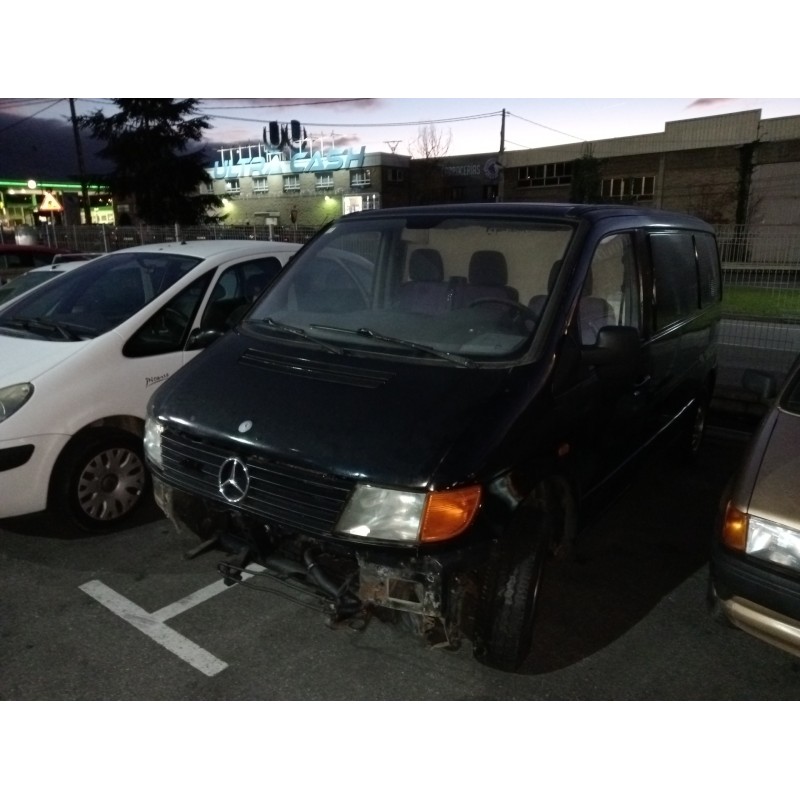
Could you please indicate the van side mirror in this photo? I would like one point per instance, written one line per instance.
(615, 345)
(199, 338)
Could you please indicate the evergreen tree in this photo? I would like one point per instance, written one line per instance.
(147, 140)
(586, 180)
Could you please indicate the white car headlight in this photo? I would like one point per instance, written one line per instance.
(152, 440)
(407, 517)
(12, 398)
(773, 542)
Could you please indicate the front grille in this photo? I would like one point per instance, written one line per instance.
(293, 497)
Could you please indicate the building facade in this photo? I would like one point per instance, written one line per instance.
(260, 185)
(727, 169)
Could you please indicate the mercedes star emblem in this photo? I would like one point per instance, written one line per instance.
(233, 480)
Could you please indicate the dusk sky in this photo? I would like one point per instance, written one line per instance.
(472, 125)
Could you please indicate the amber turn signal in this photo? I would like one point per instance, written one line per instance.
(449, 513)
(734, 528)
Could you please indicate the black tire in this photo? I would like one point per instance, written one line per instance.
(100, 479)
(506, 614)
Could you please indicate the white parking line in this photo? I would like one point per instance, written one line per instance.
(153, 624)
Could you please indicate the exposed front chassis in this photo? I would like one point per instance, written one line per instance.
(432, 595)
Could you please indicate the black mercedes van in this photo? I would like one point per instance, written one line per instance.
(410, 422)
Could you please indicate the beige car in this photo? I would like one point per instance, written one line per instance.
(755, 564)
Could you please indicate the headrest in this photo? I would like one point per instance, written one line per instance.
(488, 268)
(425, 264)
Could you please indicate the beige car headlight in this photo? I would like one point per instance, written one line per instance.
(773, 542)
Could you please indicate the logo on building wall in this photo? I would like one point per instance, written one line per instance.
(238, 165)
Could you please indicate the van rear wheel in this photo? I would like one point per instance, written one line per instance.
(100, 479)
(510, 594)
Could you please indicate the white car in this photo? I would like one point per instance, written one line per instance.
(81, 355)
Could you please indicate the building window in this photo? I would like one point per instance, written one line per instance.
(628, 188)
(291, 183)
(232, 186)
(395, 175)
(557, 174)
(456, 194)
(491, 192)
(260, 185)
(324, 180)
(360, 177)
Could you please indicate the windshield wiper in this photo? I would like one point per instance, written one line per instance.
(423, 348)
(30, 324)
(284, 328)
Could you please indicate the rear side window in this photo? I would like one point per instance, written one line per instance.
(708, 268)
(674, 276)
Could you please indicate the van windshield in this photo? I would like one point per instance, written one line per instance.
(473, 287)
(95, 297)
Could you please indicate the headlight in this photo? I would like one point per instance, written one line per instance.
(773, 542)
(408, 517)
(152, 440)
(761, 538)
(12, 398)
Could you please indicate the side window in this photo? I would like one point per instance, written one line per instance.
(236, 290)
(708, 268)
(167, 329)
(674, 277)
(611, 292)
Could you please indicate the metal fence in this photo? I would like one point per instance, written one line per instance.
(105, 238)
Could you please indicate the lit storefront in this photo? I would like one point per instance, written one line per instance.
(34, 203)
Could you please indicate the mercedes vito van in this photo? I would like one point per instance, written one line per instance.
(413, 417)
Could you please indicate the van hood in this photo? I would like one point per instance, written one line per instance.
(23, 359)
(388, 421)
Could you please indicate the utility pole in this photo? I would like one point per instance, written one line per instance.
(87, 208)
(502, 178)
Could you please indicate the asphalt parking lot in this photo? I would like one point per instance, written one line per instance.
(126, 617)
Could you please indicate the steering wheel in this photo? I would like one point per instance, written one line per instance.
(173, 321)
(518, 309)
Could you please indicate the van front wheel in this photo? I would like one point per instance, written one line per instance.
(510, 595)
(100, 479)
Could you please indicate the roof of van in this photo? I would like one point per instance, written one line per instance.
(567, 211)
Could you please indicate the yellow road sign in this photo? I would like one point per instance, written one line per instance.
(50, 203)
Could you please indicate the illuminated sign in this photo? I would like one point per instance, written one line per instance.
(238, 165)
(49, 203)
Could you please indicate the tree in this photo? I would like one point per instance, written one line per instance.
(148, 141)
(586, 180)
(430, 143)
(426, 175)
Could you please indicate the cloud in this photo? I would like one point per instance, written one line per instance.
(44, 149)
(705, 102)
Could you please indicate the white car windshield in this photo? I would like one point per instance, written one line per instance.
(89, 301)
(469, 287)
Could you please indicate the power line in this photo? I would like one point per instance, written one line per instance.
(30, 116)
(546, 127)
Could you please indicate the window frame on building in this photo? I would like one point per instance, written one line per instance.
(359, 178)
(537, 176)
(291, 184)
(642, 187)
